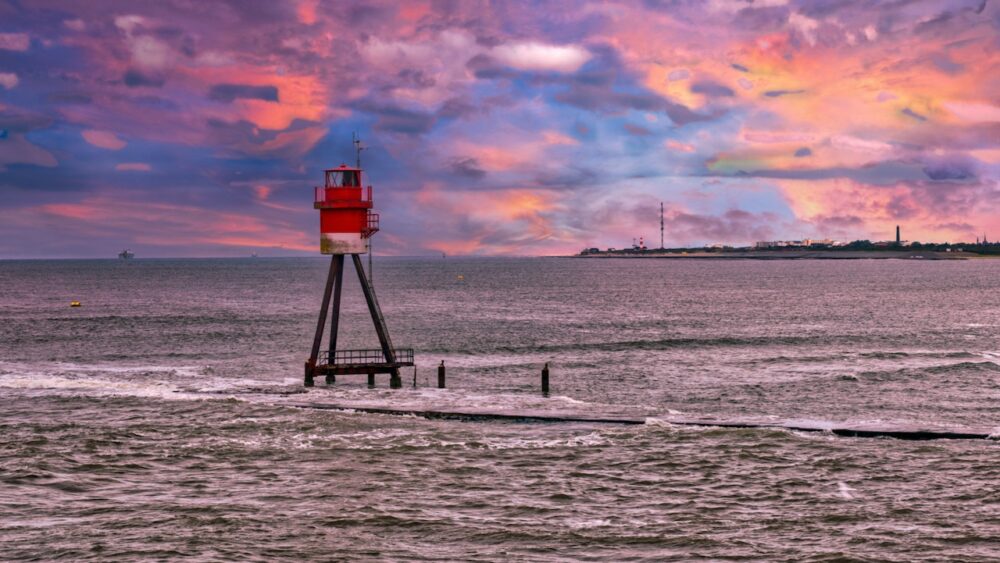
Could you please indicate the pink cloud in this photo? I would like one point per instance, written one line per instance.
(103, 139)
(8, 80)
(14, 41)
(543, 57)
(678, 146)
(18, 150)
(974, 111)
(306, 10)
(133, 167)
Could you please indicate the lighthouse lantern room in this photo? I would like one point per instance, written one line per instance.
(346, 225)
(346, 221)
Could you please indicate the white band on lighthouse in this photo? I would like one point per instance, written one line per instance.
(342, 243)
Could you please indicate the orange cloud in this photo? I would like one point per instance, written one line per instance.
(874, 211)
(299, 96)
(162, 224)
(502, 221)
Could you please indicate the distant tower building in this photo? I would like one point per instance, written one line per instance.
(661, 225)
(898, 240)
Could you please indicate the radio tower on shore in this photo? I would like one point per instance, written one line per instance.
(661, 225)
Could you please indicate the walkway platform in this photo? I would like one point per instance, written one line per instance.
(359, 362)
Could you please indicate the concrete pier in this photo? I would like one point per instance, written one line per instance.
(537, 417)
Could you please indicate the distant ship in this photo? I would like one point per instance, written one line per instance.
(126, 254)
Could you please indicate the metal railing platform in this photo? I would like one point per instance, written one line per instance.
(362, 361)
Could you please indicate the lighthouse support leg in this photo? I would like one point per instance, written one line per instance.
(314, 354)
(395, 381)
(335, 314)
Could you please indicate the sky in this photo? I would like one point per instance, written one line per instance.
(179, 128)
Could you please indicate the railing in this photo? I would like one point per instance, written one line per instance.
(363, 357)
(319, 194)
(372, 227)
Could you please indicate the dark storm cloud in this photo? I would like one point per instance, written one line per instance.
(878, 174)
(486, 67)
(950, 170)
(779, 93)
(134, 79)
(457, 108)
(412, 78)
(771, 18)
(231, 92)
(943, 63)
(396, 119)
(910, 113)
(468, 168)
(710, 88)
(21, 121)
(70, 98)
(956, 198)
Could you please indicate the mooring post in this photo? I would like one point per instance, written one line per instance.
(371, 379)
(441, 375)
(545, 379)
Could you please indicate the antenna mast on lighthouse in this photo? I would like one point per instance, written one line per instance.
(357, 147)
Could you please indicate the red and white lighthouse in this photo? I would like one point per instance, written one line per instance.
(346, 221)
(346, 225)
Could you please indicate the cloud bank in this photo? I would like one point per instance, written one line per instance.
(495, 128)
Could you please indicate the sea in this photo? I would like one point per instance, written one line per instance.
(161, 419)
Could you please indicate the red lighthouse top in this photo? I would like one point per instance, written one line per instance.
(343, 176)
(345, 216)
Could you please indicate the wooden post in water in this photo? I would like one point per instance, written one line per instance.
(441, 375)
(371, 379)
(545, 379)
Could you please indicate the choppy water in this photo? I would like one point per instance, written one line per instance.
(149, 423)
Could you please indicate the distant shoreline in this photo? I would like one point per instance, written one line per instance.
(796, 255)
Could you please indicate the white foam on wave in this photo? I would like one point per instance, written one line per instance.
(93, 387)
(653, 421)
(588, 523)
(108, 380)
(451, 400)
(845, 491)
